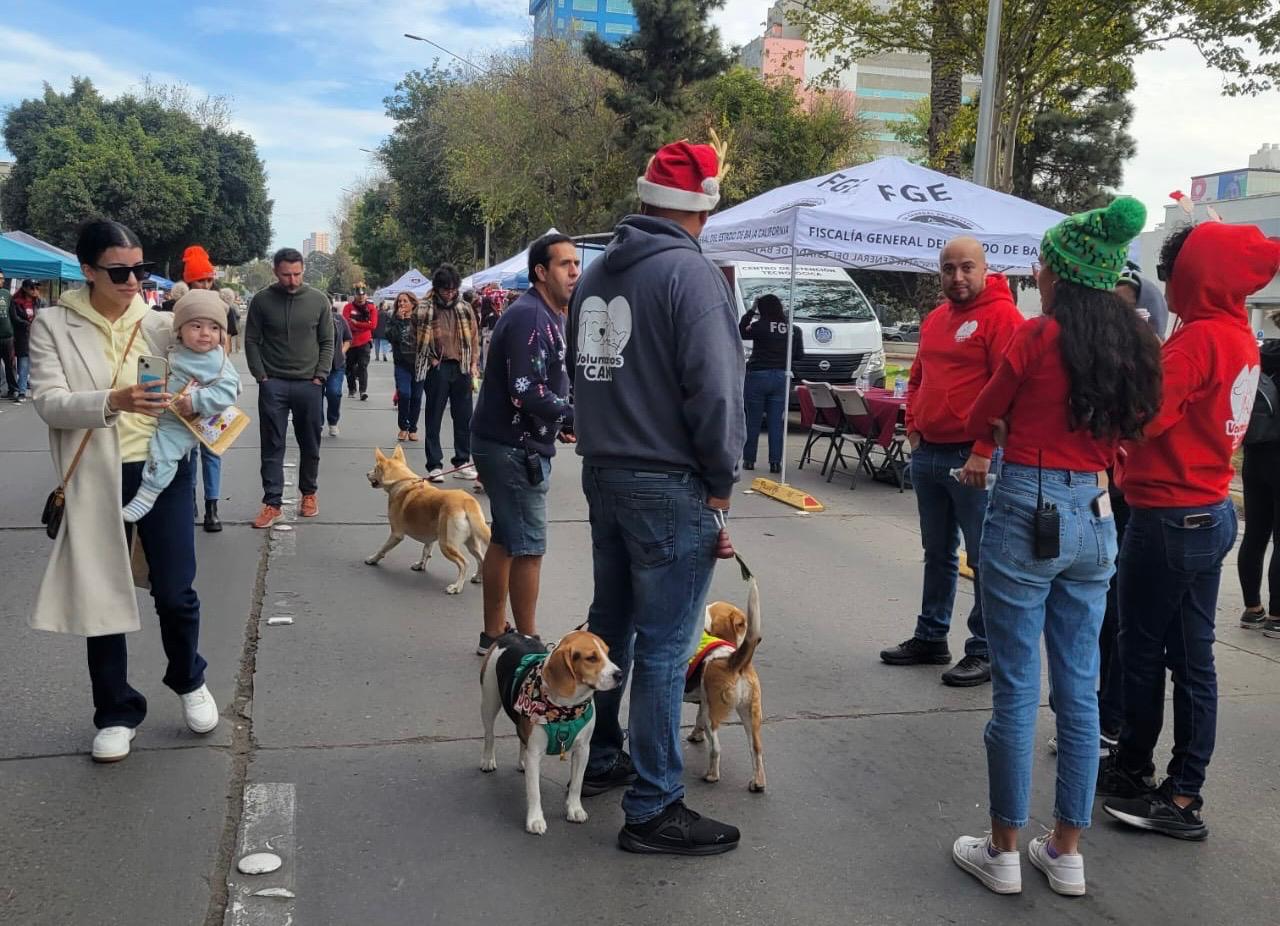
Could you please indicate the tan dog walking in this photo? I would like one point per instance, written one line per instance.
(419, 510)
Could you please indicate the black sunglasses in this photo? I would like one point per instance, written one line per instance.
(120, 275)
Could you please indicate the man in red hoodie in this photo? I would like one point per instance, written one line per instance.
(361, 316)
(1182, 523)
(961, 344)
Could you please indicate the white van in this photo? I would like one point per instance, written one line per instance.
(841, 333)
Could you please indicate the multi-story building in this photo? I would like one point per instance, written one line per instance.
(882, 89)
(612, 20)
(317, 241)
(1249, 195)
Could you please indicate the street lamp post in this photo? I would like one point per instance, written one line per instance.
(983, 154)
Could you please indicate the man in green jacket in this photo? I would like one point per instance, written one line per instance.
(7, 357)
(288, 343)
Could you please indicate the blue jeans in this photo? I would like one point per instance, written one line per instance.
(947, 510)
(210, 472)
(409, 391)
(765, 393)
(1063, 599)
(333, 395)
(653, 544)
(518, 507)
(168, 539)
(24, 373)
(1169, 575)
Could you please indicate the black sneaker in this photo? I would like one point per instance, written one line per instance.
(748, 466)
(364, 397)
(622, 774)
(1253, 620)
(1272, 628)
(1157, 812)
(916, 652)
(679, 831)
(775, 467)
(1113, 781)
(486, 641)
(969, 671)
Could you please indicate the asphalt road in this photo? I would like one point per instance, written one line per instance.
(351, 741)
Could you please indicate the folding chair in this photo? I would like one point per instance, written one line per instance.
(818, 422)
(859, 430)
(895, 458)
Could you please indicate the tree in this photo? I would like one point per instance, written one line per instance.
(256, 274)
(774, 139)
(438, 225)
(378, 242)
(317, 270)
(672, 48)
(532, 144)
(137, 160)
(1048, 45)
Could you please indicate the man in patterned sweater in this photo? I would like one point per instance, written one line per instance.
(523, 408)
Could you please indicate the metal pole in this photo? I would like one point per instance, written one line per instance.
(982, 158)
(791, 329)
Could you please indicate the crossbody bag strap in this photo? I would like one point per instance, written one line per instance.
(84, 441)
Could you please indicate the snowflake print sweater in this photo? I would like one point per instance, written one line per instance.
(524, 399)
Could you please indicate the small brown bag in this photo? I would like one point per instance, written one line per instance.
(55, 506)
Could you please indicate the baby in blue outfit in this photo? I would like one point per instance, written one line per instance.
(199, 319)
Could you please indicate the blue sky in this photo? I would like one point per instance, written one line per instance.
(307, 79)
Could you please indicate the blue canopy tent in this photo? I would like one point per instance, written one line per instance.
(64, 264)
(19, 261)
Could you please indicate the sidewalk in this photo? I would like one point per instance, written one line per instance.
(358, 741)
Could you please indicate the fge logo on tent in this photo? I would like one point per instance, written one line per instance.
(603, 333)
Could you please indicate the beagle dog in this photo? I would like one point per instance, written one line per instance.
(548, 695)
(721, 678)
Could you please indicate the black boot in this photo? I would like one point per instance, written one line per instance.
(211, 523)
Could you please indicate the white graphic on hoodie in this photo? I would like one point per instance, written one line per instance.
(966, 331)
(603, 333)
(1243, 391)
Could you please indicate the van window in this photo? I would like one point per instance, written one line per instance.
(836, 300)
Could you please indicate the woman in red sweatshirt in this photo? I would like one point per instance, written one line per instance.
(1072, 384)
(1182, 523)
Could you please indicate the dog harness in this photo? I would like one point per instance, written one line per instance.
(706, 646)
(526, 696)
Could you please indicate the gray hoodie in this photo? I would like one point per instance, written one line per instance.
(656, 359)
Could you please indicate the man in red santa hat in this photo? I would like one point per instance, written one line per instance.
(658, 370)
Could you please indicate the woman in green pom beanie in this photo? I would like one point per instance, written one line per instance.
(1071, 386)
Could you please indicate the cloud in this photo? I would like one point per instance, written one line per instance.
(1186, 127)
(740, 21)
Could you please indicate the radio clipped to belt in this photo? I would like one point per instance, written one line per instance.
(1047, 522)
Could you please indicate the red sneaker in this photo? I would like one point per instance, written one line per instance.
(269, 515)
(310, 507)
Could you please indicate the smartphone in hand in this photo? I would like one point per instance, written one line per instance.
(153, 372)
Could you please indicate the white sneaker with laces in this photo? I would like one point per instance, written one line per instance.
(1065, 873)
(467, 472)
(436, 475)
(333, 430)
(1001, 873)
(111, 744)
(199, 710)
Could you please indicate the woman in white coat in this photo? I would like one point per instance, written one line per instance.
(77, 346)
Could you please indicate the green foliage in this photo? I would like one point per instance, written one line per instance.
(258, 274)
(140, 161)
(672, 48)
(378, 243)
(774, 139)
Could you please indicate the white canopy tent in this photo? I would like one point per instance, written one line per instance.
(888, 214)
(504, 273)
(412, 282)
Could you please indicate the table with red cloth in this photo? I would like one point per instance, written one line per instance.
(887, 412)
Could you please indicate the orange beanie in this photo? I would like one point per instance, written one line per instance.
(196, 264)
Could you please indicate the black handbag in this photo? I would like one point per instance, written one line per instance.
(55, 506)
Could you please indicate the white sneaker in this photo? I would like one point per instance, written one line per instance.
(467, 472)
(333, 430)
(200, 711)
(1105, 745)
(112, 743)
(1065, 873)
(1001, 873)
(436, 475)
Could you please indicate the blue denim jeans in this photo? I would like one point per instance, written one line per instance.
(1063, 599)
(409, 395)
(653, 542)
(1169, 576)
(517, 506)
(333, 395)
(947, 511)
(210, 473)
(765, 394)
(24, 374)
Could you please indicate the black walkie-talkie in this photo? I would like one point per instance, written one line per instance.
(1048, 544)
